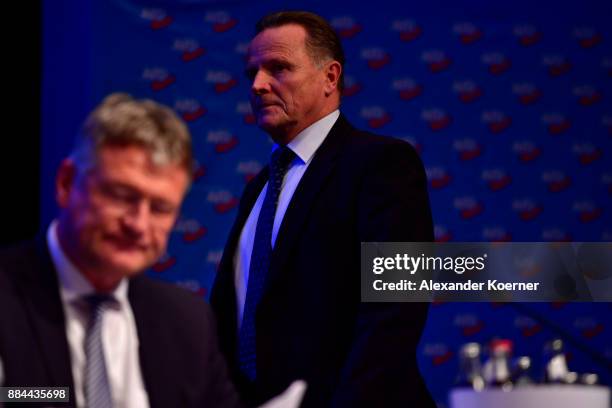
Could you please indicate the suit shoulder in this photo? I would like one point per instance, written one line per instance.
(372, 145)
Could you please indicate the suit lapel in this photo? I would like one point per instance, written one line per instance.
(44, 307)
(323, 162)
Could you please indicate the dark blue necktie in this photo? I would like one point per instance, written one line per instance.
(97, 387)
(260, 260)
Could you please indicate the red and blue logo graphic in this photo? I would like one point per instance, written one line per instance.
(221, 21)
(556, 180)
(587, 153)
(351, 86)
(222, 200)
(496, 121)
(468, 91)
(556, 65)
(468, 206)
(346, 27)
(497, 63)
(189, 48)
(376, 58)
(408, 88)
(527, 151)
(437, 119)
(223, 140)
(468, 148)
(496, 234)
(190, 229)
(527, 209)
(527, 93)
(436, 60)
(438, 177)
(159, 78)
(158, 18)
(376, 116)
(496, 179)
(468, 33)
(556, 123)
(190, 109)
(587, 211)
(527, 35)
(222, 80)
(408, 30)
(249, 169)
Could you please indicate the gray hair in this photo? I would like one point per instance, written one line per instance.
(120, 120)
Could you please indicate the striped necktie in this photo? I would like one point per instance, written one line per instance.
(97, 387)
(260, 260)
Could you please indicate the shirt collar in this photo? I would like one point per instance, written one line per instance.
(306, 143)
(73, 285)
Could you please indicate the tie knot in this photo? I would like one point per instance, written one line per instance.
(98, 301)
(282, 157)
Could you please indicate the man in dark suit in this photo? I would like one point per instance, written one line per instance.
(74, 309)
(287, 294)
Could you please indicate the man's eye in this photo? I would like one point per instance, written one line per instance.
(163, 208)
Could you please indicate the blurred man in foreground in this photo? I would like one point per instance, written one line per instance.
(74, 309)
(287, 294)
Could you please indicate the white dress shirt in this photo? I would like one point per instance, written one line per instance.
(304, 145)
(119, 335)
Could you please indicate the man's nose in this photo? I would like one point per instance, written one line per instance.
(261, 83)
(137, 219)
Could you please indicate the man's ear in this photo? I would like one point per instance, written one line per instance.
(333, 69)
(65, 181)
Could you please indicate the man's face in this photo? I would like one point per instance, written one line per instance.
(287, 87)
(117, 217)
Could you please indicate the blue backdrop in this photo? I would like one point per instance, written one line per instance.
(509, 105)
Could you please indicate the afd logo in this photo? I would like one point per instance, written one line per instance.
(248, 169)
(192, 286)
(438, 177)
(199, 171)
(468, 32)
(190, 229)
(159, 78)
(527, 326)
(223, 140)
(496, 179)
(351, 86)
(438, 353)
(527, 93)
(375, 57)
(587, 95)
(587, 153)
(556, 64)
(408, 30)
(376, 116)
(221, 21)
(189, 48)
(244, 109)
(165, 263)
(587, 37)
(468, 207)
(436, 119)
(556, 235)
(222, 80)
(526, 151)
(222, 200)
(407, 88)
(556, 180)
(442, 234)
(496, 234)
(496, 121)
(467, 91)
(436, 60)
(469, 324)
(190, 109)
(588, 326)
(587, 211)
(556, 123)
(497, 63)
(346, 26)
(527, 209)
(468, 149)
(158, 18)
(527, 35)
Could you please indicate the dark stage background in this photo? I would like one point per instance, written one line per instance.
(508, 103)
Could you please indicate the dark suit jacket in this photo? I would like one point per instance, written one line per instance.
(179, 356)
(310, 323)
